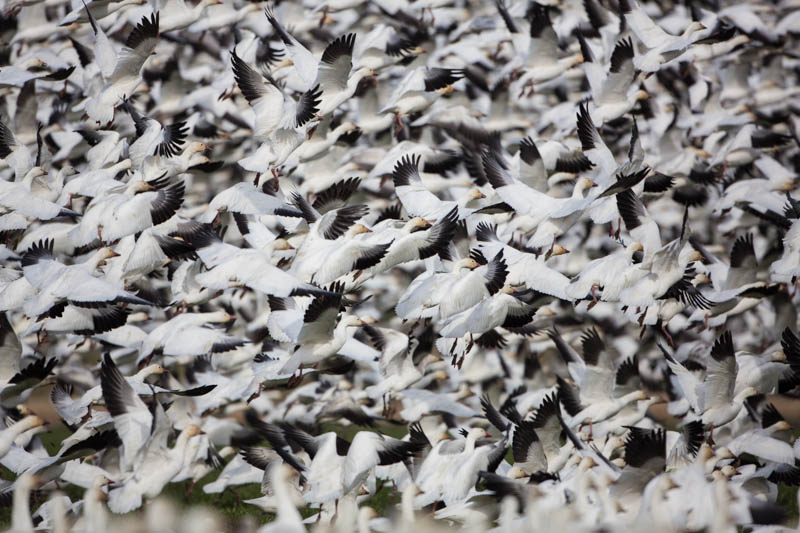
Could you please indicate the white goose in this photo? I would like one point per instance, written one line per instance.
(120, 71)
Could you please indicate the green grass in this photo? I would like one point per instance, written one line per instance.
(230, 504)
(787, 499)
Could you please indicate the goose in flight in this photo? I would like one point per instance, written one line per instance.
(120, 71)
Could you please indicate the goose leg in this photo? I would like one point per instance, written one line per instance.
(594, 298)
(324, 16)
(235, 494)
(667, 335)
(275, 177)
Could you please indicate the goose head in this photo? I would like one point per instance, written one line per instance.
(634, 247)
(467, 262)
(151, 370)
(693, 28)
(32, 174)
(100, 257)
(359, 229)
(282, 244)
(473, 195)
(582, 186)
(417, 224)
(193, 430)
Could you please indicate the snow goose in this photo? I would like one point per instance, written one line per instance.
(529, 456)
(21, 519)
(246, 199)
(640, 225)
(334, 76)
(120, 71)
(473, 287)
(15, 154)
(140, 206)
(153, 138)
(176, 15)
(645, 458)
(328, 452)
(787, 266)
(231, 266)
(18, 197)
(132, 419)
(614, 93)
(629, 174)
(595, 399)
(93, 183)
(12, 432)
(422, 297)
(236, 472)
(550, 216)
(396, 364)
(765, 442)
(415, 239)
(713, 400)
(384, 46)
(288, 518)
(436, 470)
(30, 377)
(418, 200)
(506, 308)
(607, 273)
(269, 461)
(281, 124)
(419, 89)
(300, 58)
(99, 9)
(332, 235)
(542, 62)
(10, 350)
(662, 47)
(149, 464)
(323, 333)
(483, 458)
(74, 412)
(188, 335)
(159, 465)
(58, 284)
(548, 425)
(95, 516)
(655, 278)
(525, 268)
(730, 282)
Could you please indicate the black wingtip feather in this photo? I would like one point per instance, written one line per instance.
(406, 170)
(723, 347)
(146, 29)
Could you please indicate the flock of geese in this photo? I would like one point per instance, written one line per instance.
(508, 264)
